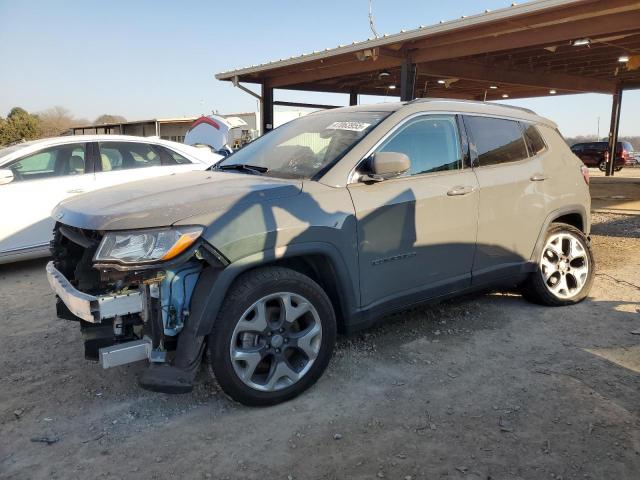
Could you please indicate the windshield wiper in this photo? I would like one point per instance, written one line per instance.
(244, 167)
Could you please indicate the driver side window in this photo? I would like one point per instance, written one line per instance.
(431, 142)
(51, 162)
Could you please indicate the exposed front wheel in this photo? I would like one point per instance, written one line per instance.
(602, 166)
(273, 338)
(565, 268)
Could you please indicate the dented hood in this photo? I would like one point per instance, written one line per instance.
(163, 201)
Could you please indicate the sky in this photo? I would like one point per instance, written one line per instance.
(157, 58)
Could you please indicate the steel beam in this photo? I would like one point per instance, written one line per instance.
(266, 109)
(353, 98)
(407, 80)
(613, 129)
(317, 106)
(500, 75)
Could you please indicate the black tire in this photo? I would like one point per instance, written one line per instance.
(602, 166)
(617, 169)
(536, 289)
(248, 289)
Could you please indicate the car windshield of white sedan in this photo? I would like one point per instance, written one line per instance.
(6, 151)
(304, 147)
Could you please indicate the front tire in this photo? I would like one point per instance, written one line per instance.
(273, 337)
(602, 166)
(565, 270)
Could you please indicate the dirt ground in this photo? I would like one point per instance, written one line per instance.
(484, 387)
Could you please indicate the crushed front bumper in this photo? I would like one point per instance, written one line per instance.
(92, 308)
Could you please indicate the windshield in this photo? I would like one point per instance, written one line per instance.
(4, 151)
(306, 146)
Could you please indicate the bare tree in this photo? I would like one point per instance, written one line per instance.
(56, 121)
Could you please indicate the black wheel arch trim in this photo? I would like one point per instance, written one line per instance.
(206, 302)
(576, 209)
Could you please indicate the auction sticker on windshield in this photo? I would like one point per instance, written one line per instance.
(353, 126)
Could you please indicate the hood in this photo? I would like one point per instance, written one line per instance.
(163, 201)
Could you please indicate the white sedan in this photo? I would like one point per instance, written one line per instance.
(35, 176)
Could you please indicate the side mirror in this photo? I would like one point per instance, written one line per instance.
(386, 165)
(6, 176)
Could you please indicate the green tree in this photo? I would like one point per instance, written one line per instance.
(19, 125)
(106, 118)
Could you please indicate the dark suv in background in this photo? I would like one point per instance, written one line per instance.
(593, 154)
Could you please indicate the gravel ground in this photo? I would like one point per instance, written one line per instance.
(483, 387)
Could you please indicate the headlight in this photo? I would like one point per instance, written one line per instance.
(144, 246)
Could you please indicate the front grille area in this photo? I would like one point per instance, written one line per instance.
(72, 250)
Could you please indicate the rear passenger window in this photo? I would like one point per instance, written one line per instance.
(534, 140)
(496, 140)
(127, 155)
(431, 142)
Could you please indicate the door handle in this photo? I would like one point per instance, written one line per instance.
(538, 177)
(76, 190)
(460, 190)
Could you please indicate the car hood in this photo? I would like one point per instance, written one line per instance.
(163, 201)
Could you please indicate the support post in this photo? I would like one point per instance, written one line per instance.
(353, 98)
(613, 129)
(266, 109)
(407, 80)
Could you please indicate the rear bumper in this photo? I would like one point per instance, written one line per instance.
(92, 308)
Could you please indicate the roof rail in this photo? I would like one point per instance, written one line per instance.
(477, 102)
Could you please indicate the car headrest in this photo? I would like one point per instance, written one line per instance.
(76, 165)
(106, 163)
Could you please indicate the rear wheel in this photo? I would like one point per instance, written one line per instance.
(273, 338)
(565, 268)
(602, 166)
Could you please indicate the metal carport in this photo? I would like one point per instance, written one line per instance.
(541, 48)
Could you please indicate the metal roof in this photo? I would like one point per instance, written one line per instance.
(521, 51)
(488, 16)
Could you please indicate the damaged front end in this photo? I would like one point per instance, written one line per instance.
(131, 292)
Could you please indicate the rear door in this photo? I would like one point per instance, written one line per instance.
(416, 233)
(41, 180)
(512, 205)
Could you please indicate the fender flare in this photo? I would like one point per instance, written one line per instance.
(207, 299)
(566, 210)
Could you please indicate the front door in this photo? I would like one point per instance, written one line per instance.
(417, 232)
(41, 181)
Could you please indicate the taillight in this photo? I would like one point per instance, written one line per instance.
(585, 173)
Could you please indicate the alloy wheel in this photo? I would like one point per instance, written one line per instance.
(276, 341)
(564, 265)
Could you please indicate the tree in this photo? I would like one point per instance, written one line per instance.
(106, 118)
(19, 125)
(55, 121)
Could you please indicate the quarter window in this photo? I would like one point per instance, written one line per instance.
(431, 142)
(534, 140)
(175, 158)
(52, 162)
(496, 140)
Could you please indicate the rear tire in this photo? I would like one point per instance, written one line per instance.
(602, 166)
(273, 337)
(565, 270)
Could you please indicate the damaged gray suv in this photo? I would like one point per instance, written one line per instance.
(321, 226)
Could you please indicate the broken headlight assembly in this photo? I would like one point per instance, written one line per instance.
(146, 246)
